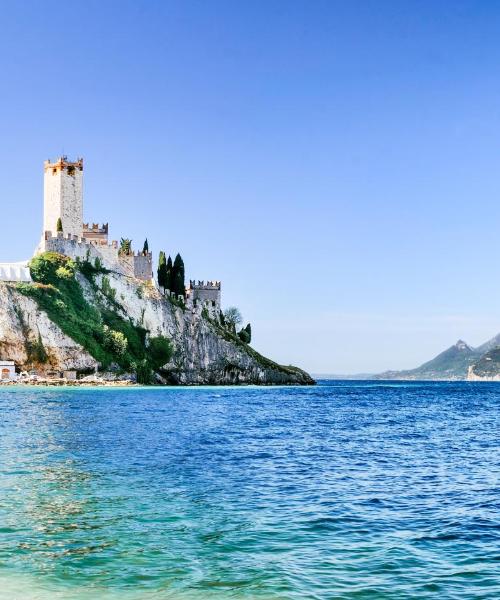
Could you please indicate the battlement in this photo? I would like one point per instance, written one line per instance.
(62, 163)
(96, 228)
(97, 233)
(78, 239)
(202, 285)
(204, 293)
(135, 264)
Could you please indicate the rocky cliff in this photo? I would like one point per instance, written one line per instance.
(204, 352)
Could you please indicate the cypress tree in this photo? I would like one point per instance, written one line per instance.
(162, 268)
(59, 226)
(145, 249)
(248, 329)
(178, 286)
(168, 275)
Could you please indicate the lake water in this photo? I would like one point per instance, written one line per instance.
(344, 490)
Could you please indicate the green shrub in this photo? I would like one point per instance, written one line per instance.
(143, 372)
(49, 267)
(244, 336)
(107, 290)
(36, 351)
(114, 341)
(160, 351)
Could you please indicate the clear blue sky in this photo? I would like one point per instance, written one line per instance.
(336, 164)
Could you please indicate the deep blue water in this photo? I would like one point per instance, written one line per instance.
(344, 490)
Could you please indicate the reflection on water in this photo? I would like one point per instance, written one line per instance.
(345, 490)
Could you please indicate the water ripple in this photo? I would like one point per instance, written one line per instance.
(348, 490)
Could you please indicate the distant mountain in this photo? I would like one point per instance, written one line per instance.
(487, 367)
(457, 362)
(489, 345)
(453, 363)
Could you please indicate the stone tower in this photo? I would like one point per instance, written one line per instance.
(63, 196)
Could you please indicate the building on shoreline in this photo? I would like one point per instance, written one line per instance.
(7, 370)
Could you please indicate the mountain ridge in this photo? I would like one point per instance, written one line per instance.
(455, 363)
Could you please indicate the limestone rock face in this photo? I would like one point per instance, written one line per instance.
(22, 324)
(203, 353)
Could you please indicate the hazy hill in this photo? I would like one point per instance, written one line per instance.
(453, 363)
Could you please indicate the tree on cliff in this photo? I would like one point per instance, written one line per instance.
(59, 227)
(178, 286)
(168, 277)
(245, 334)
(162, 270)
(232, 318)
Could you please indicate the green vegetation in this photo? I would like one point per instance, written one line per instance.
(489, 364)
(245, 334)
(168, 274)
(125, 246)
(108, 291)
(178, 286)
(162, 270)
(59, 226)
(88, 269)
(145, 248)
(160, 351)
(232, 318)
(100, 329)
(171, 277)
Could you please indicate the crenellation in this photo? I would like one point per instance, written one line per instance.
(207, 293)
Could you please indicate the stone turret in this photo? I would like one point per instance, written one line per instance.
(63, 195)
(207, 293)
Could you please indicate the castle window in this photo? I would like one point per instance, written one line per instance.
(71, 170)
(54, 171)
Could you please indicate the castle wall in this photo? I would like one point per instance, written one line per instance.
(83, 249)
(143, 267)
(137, 266)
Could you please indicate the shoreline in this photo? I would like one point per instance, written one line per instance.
(54, 383)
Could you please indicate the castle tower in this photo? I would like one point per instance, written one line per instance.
(63, 196)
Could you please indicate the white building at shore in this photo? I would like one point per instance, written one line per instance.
(16, 271)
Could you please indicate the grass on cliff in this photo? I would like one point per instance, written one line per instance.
(105, 334)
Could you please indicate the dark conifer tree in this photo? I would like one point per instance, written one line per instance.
(168, 276)
(178, 286)
(162, 270)
(145, 249)
(59, 226)
(248, 329)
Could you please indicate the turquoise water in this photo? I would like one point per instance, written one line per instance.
(345, 490)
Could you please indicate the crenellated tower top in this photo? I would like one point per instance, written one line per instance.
(63, 163)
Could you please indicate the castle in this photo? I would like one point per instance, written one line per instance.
(65, 232)
(63, 209)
